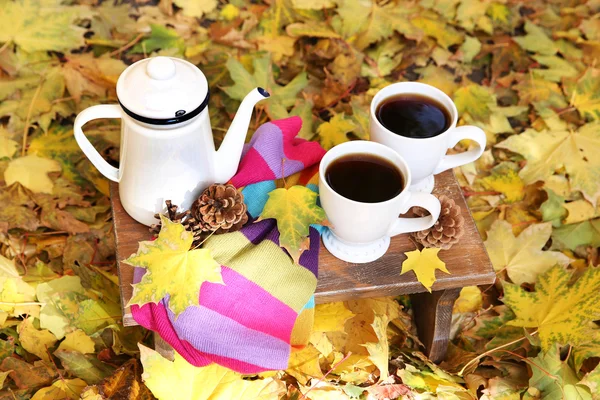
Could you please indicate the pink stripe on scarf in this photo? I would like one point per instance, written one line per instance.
(154, 317)
(247, 303)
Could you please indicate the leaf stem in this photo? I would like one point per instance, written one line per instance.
(26, 128)
(127, 46)
(303, 396)
(479, 357)
(26, 303)
(5, 46)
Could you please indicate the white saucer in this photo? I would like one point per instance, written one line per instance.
(355, 253)
(425, 185)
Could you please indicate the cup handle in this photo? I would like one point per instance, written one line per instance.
(405, 225)
(96, 112)
(456, 135)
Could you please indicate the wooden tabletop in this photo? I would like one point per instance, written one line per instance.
(467, 260)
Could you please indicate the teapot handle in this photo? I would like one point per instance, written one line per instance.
(96, 112)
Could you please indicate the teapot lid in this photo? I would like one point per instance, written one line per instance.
(162, 90)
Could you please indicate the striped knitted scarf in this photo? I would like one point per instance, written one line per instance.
(266, 307)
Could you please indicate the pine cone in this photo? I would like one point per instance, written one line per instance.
(220, 209)
(447, 230)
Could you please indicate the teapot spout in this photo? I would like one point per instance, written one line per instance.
(230, 151)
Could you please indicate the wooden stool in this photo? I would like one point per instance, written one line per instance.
(467, 262)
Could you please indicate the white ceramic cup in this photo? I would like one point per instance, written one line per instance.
(360, 232)
(426, 157)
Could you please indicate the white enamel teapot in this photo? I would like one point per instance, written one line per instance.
(167, 150)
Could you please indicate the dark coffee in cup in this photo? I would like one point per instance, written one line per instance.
(413, 116)
(365, 178)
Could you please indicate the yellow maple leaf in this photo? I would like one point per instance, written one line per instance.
(312, 4)
(330, 317)
(212, 382)
(32, 172)
(324, 391)
(84, 73)
(476, 100)
(294, 209)
(196, 8)
(423, 264)
(335, 130)
(379, 350)
(304, 364)
(584, 94)
(445, 34)
(278, 46)
(469, 300)
(8, 147)
(36, 341)
(16, 295)
(560, 312)
(505, 179)
(522, 256)
(37, 25)
(431, 381)
(548, 151)
(62, 389)
(579, 211)
(172, 269)
(77, 341)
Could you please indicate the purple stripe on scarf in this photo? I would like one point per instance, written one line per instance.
(212, 333)
(268, 142)
(267, 230)
(310, 258)
(258, 231)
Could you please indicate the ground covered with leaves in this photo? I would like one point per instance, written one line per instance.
(525, 72)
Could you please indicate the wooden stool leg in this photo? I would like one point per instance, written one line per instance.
(163, 348)
(433, 315)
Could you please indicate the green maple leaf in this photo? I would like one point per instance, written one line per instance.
(172, 269)
(587, 350)
(560, 312)
(553, 209)
(36, 25)
(548, 151)
(68, 306)
(555, 379)
(294, 209)
(84, 366)
(536, 40)
(282, 97)
(586, 233)
(161, 38)
(592, 380)
(557, 68)
(489, 322)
